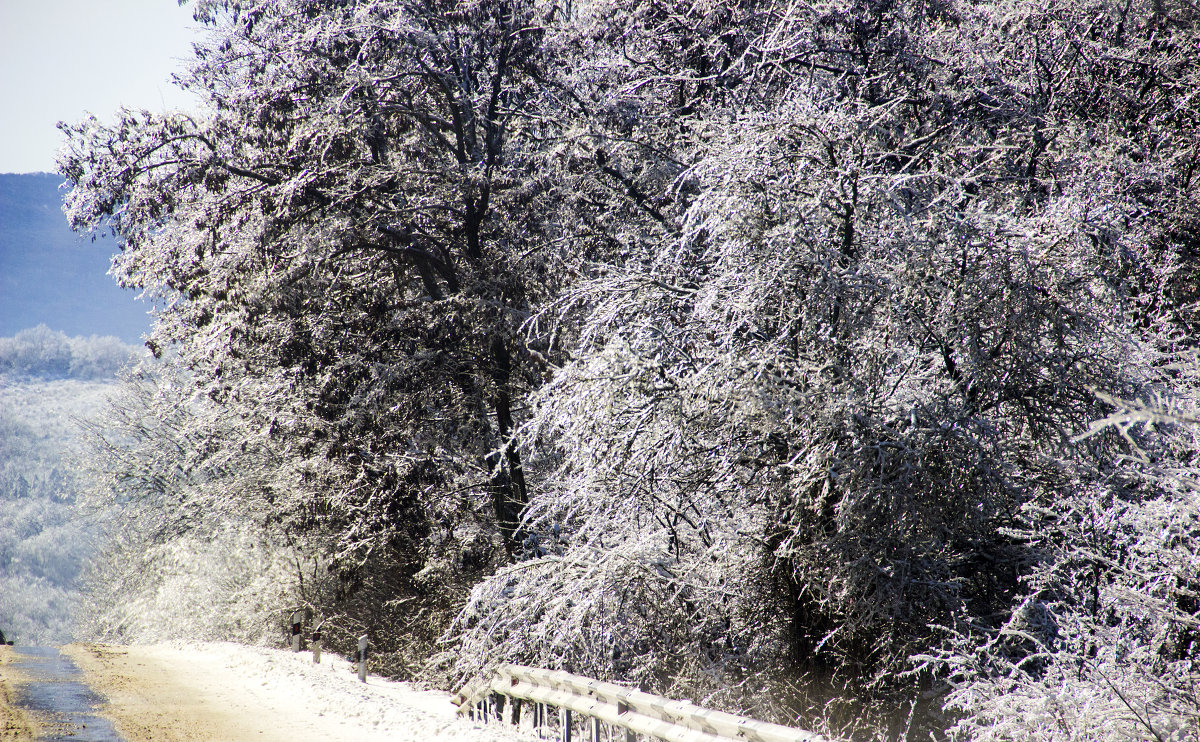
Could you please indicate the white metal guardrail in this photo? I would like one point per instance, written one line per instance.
(635, 712)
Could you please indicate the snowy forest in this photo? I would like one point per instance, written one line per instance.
(832, 362)
(49, 383)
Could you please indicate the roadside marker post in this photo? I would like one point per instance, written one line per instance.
(362, 658)
(316, 646)
(297, 620)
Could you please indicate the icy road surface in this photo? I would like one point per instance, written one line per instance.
(227, 692)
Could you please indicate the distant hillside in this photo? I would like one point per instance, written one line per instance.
(45, 537)
(49, 382)
(51, 276)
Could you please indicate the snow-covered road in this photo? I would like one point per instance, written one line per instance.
(231, 692)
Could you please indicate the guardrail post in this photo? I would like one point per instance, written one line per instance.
(362, 658)
(629, 715)
(623, 708)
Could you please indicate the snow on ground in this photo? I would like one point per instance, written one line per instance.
(299, 700)
(331, 690)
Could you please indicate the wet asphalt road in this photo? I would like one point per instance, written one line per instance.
(55, 693)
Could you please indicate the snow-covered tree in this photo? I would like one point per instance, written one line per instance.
(910, 257)
(700, 343)
(346, 240)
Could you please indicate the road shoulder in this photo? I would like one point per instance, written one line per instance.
(15, 724)
(216, 692)
(150, 699)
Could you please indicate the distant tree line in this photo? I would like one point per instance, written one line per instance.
(725, 348)
(43, 353)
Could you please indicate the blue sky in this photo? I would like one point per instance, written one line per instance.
(60, 59)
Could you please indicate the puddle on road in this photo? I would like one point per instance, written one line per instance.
(54, 692)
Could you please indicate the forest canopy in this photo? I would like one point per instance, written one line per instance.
(729, 349)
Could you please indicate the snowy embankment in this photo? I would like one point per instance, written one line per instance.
(217, 691)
